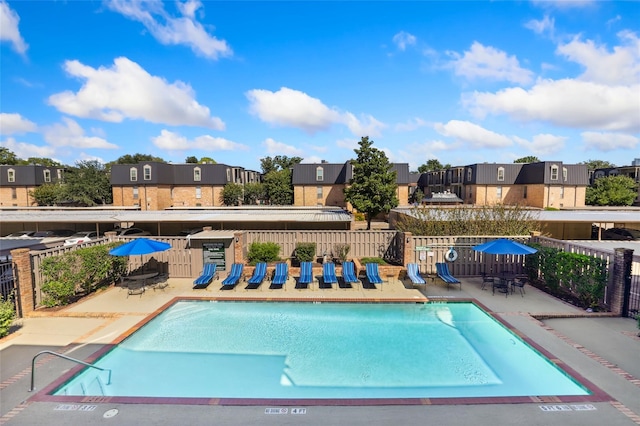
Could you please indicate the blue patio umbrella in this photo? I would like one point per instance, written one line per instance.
(504, 246)
(140, 246)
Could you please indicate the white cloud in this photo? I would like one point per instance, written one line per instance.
(473, 134)
(609, 141)
(127, 91)
(176, 142)
(26, 150)
(293, 108)
(69, 133)
(412, 124)
(542, 144)
(619, 67)
(489, 63)
(280, 148)
(15, 124)
(9, 31)
(169, 30)
(566, 102)
(541, 26)
(404, 39)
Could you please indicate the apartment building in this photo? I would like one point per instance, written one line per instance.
(323, 184)
(158, 186)
(17, 182)
(545, 184)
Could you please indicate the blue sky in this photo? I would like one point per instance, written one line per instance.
(460, 82)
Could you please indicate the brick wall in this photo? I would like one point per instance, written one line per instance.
(23, 199)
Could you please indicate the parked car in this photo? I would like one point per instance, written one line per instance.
(53, 233)
(621, 234)
(187, 232)
(21, 234)
(131, 232)
(81, 237)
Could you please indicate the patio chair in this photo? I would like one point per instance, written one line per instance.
(329, 274)
(413, 272)
(280, 276)
(442, 270)
(233, 278)
(373, 276)
(519, 283)
(205, 278)
(306, 275)
(349, 275)
(259, 274)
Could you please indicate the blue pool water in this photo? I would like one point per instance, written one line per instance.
(210, 349)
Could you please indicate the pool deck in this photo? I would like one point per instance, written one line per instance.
(604, 351)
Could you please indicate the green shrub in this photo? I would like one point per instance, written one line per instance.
(263, 252)
(306, 252)
(57, 293)
(341, 251)
(7, 315)
(378, 260)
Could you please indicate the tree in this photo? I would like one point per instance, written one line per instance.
(253, 192)
(191, 159)
(207, 160)
(48, 194)
(598, 164)
(374, 185)
(432, 165)
(527, 159)
(137, 158)
(231, 194)
(88, 184)
(612, 191)
(8, 157)
(277, 178)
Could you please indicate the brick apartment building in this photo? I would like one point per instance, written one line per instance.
(632, 171)
(545, 184)
(17, 182)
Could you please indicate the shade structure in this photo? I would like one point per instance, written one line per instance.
(140, 246)
(504, 246)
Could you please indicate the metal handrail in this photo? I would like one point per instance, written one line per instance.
(33, 366)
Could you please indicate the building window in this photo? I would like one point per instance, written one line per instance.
(554, 172)
(524, 192)
(470, 193)
(500, 173)
(14, 193)
(562, 192)
(198, 192)
(564, 174)
(499, 192)
(59, 173)
(47, 175)
(469, 174)
(133, 174)
(319, 173)
(228, 175)
(11, 175)
(147, 172)
(173, 193)
(135, 193)
(319, 192)
(197, 174)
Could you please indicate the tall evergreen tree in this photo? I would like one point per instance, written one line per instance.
(373, 188)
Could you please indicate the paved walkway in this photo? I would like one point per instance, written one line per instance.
(604, 350)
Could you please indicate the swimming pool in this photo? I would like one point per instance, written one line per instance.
(258, 350)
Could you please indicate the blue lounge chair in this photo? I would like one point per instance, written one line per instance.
(280, 276)
(373, 276)
(205, 278)
(329, 274)
(306, 275)
(234, 277)
(442, 270)
(259, 273)
(349, 275)
(413, 272)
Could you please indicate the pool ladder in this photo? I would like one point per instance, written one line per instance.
(33, 366)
